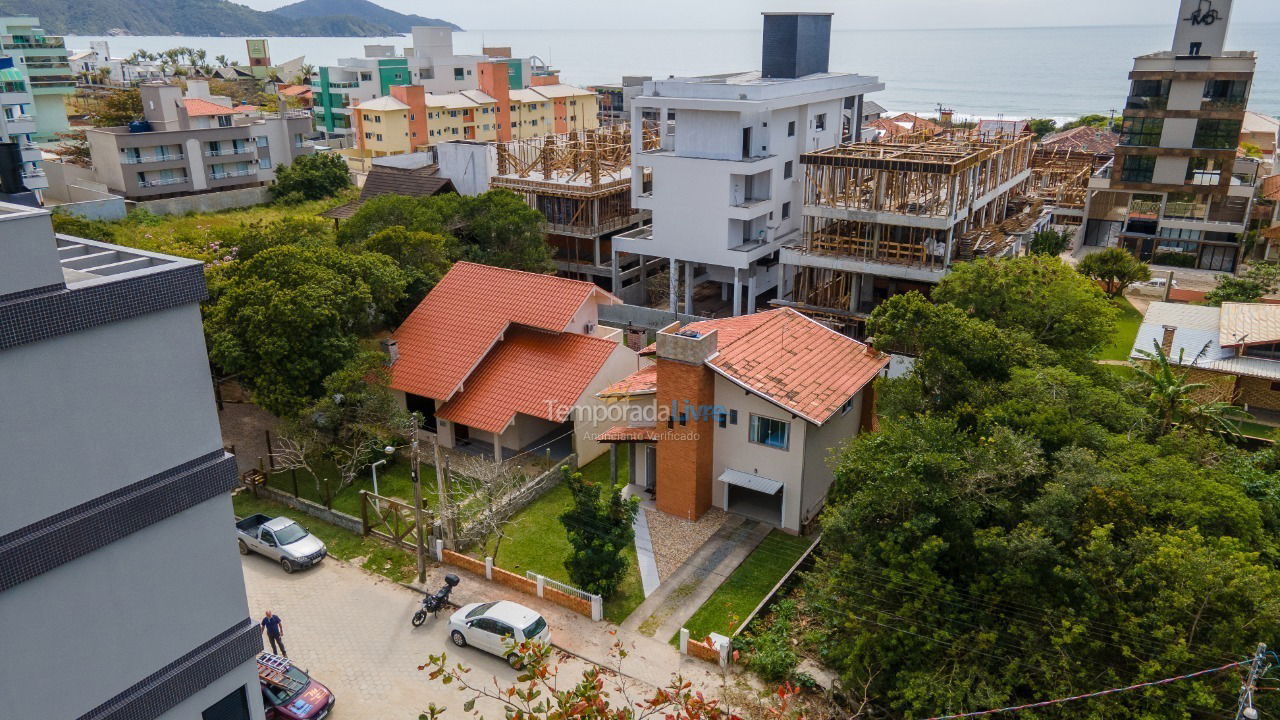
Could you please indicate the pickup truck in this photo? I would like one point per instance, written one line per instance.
(280, 539)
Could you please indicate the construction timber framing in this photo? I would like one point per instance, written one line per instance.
(1060, 178)
(581, 183)
(881, 219)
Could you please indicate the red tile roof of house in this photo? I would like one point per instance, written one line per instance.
(799, 364)
(918, 124)
(445, 338)
(730, 329)
(642, 382)
(624, 433)
(295, 90)
(1097, 141)
(530, 372)
(198, 107)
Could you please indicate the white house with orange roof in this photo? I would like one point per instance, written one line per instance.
(742, 414)
(505, 361)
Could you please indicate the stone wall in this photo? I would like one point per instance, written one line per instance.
(316, 510)
(208, 202)
(1257, 393)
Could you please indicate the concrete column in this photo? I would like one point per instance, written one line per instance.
(613, 464)
(737, 293)
(497, 447)
(673, 282)
(688, 288)
(615, 273)
(751, 289)
(644, 279)
(596, 256)
(855, 293)
(724, 292)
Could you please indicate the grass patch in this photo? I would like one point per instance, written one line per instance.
(537, 541)
(1127, 325)
(1258, 430)
(393, 481)
(372, 555)
(747, 586)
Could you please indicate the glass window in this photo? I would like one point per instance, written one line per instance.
(770, 432)
(1138, 168)
(787, 170)
(224, 121)
(786, 210)
(820, 121)
(535, 627)
(234, 706)
(791, 129)
(733, 417)
(1204, 171)
(264, 163)
(262, 141)
(1144, 132)
(458, 74)
(1218, 134)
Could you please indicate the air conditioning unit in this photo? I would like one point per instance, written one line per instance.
(588, 328)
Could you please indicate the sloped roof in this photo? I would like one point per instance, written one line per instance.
(917, 123)
(559, 90)
(1248, 324)
(1256, 122)
(730, 328)
(295, 90)
(871, 107)
(799, 364)
(641, 382)
(388, 180)
(382, 104)
(1197, 330)
(199, 107)
(1086, 139)
(446, 337)
(530, 372)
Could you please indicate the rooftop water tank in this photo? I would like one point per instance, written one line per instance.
(139, 126)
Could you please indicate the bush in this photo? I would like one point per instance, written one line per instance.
(769, 652)
(599, 529)
(312, 177)
(1174, 259)
(76, 226)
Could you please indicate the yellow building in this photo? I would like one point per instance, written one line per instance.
(546, 109)
(382, 127)
(466, 115)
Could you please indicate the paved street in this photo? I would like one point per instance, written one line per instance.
(351, 631)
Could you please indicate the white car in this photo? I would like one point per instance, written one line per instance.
(496, 627)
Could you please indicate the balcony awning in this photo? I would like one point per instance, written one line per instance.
(751, 482)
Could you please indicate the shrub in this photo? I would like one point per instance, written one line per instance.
(312, 177)
(1174, 259)
(599, 529)
(769, 652)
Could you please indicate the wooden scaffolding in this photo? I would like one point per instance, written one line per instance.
(1060, 178)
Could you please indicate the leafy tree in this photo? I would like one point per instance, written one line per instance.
(1266, 274)
(291, 316)
(387, 211)
(312, 177)
(599, 529)
(1231, 288)
(1039, 295)
(1094, 121)
(1173, 398)
(1049, 242)
(73, 148)
(354, 418)
(1115, 267)
(117, 107)
(1043, 126)
(424, 257)
(252, 238)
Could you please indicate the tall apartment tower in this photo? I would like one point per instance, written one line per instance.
(121, 594)
(1176, 193)
(42, 58)
(724, 184)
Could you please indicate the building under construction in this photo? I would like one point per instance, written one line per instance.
(1060, 179)
(882, 219)
(581, 183)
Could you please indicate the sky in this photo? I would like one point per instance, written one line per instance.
(849, 14)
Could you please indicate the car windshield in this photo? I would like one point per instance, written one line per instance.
(480, 610)
(296, 683)
(534, 628)
(290, 533)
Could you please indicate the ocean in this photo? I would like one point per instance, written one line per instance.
(1023, 72)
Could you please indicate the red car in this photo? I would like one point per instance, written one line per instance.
(288, 693)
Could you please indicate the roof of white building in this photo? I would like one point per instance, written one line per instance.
(386, 102)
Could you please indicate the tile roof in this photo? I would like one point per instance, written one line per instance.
(199, 107)
(624, 433)
(1086, 139)
(386, 180)
(730, 329)
(642, 382)
(799, 364)
(532, 372)
(295, 90)
(451, 331)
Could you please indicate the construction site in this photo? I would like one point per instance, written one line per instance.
(581, 183)
(881, 219)
(1060, 179)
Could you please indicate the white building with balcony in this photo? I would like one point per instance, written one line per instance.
(724, 184)
(18, 124)
(42, 59)
(1177, 193)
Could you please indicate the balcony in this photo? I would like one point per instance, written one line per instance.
(244, 149)
(1148, 102)
(24, 42)
(232, 174)
(163, 181)
(130, 160)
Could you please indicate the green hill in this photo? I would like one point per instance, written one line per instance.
(195, 17)
(399, 22)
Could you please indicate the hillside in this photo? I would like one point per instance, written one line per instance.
(192, 17)
(399, 22)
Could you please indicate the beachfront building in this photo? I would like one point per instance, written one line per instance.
(18, 128)
(42, 59)
(886, 218)
(1177, 194)
(431, 63)
(741, 414)
(195, 144)
(724, 182)
(115, 509)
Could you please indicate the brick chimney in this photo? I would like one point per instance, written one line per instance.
(1166, 342)
(686, 387)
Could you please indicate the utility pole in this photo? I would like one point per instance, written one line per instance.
(417, 505)
(442, 490)
(1244, 708)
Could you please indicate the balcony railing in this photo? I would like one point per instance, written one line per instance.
(228, 151)
(23, 43)
(232, 174)
(131, 160)
(162, 181)
(1147, 102)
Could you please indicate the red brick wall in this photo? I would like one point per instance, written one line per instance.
(465, 562)
(514, 581)
(519, 583)
(703, 651)
(684, 451)
(566, 600)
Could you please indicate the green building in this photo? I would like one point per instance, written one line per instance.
(42, 58)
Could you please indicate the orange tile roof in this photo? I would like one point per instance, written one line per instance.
(295, 90)
(199, 107)
(799, 364)
(730, 328)
(643, 382)
(531, 372)
(444, 339)
(623, 433)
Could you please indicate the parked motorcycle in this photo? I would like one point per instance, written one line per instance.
(432, 603)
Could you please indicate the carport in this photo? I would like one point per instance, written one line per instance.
(754, 496)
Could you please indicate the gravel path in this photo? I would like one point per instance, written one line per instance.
(674, 539)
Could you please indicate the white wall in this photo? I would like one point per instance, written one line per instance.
(820, 445)
(709, 134)
(622, 362)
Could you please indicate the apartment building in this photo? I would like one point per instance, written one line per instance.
(18, 126)
(885, 218)
(121, 594)
(195, 144)
(431, 63)
(741, 414)
(42, 59)
(1177, 194)
(614, 101)
(724, 184)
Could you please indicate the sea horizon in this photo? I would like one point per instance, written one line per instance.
(1012, 73)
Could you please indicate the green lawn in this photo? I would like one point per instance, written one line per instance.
(393, 482)
(747, 586)
(374, 555)
(1253, 429)
(1126, 332)
(537, 541)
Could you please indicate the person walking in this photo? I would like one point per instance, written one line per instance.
(274, 628)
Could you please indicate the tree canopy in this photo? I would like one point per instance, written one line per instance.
(1116, 268)
(312, 177)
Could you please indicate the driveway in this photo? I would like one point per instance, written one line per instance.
(351, 631)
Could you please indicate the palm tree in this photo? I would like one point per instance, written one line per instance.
(304, 75)
(102, 75)
(1173, 399)
(198, 57)
(222, 61)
